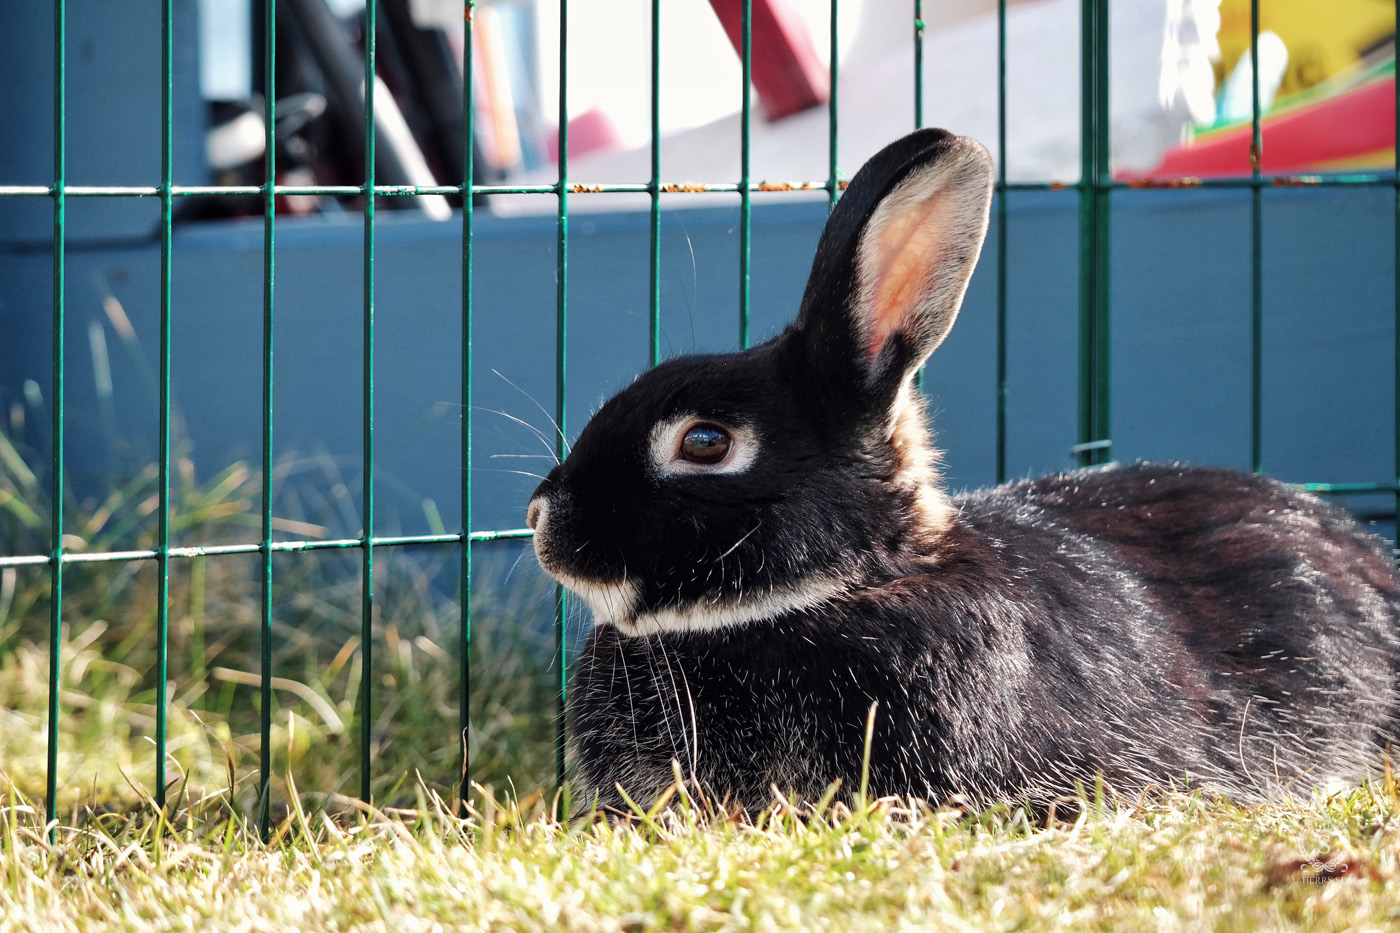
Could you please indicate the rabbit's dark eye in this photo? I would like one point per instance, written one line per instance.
(705, 443)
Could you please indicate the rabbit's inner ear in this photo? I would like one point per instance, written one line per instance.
(903, 251)
(916, 256)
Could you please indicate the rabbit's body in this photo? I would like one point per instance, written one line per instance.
(767, 552)
(1063, 628)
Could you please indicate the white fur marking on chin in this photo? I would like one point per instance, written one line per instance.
(708, 617)
(609, 602)
(665, 441)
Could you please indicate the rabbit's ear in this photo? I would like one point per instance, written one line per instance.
(896, 257)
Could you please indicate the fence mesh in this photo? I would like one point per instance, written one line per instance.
(1095, 190)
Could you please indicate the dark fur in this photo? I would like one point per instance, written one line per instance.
(1150, 624)
(1143, 623)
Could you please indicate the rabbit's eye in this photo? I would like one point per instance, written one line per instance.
(705, 443)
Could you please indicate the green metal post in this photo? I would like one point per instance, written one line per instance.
(1001, 243)
(1256, 257)
(163, 494)
(654, 335)
(468, 214)
(919, 110)
(1093, 446)
(60, 181)
(367, 575)
(833, 190)
(745, 206)
(561, 368)
(918, 64)
(269, 198)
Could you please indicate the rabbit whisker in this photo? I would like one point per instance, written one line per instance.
(516, 472)
(680, 710)
(544, 438)
(557, 430)
(736, 544)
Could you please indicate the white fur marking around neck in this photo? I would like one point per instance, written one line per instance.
(704, 616)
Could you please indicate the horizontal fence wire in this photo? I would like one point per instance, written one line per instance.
(1094, 188)
(1277, 180)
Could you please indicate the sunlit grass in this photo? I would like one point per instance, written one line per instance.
(1179, 862)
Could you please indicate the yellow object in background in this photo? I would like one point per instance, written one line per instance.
(1323, 37)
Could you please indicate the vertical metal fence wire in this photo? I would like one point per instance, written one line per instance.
(1094, 184)
(1001, 244)
(561, 371)
(464, 702)
(832, 110)
(918, 64)
(167, 148)
(654, 189)
(745, 197)
(60, 181)
(1256, 254)
(269, 206)
(1094, 191)
(367, 566)
(919, 110)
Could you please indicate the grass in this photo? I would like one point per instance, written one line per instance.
(1178, 862)
(109, 648)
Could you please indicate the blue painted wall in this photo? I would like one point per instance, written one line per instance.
(1181, 313)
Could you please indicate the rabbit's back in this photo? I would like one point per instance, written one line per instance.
(1252, 627)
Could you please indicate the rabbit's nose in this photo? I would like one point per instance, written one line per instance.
(534, 512)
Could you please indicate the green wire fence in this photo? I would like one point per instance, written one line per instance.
(1095, 191)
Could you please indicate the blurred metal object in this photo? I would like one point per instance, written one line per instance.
(398, 160)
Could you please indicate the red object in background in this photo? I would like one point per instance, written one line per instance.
(1337, 133)
(787, 73)
(591, 131)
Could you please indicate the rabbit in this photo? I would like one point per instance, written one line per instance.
(768, 554)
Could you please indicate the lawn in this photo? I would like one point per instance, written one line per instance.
(1178, 862)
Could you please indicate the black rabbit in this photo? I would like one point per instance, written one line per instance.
(767, 551)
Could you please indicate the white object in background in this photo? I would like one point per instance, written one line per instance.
(1190, 48)
(240, 140)
(390, 122)
(225, 49)
(436, 14)
(1237, 91)
(960, 93)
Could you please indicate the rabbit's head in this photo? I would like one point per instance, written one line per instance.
(719, 490)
